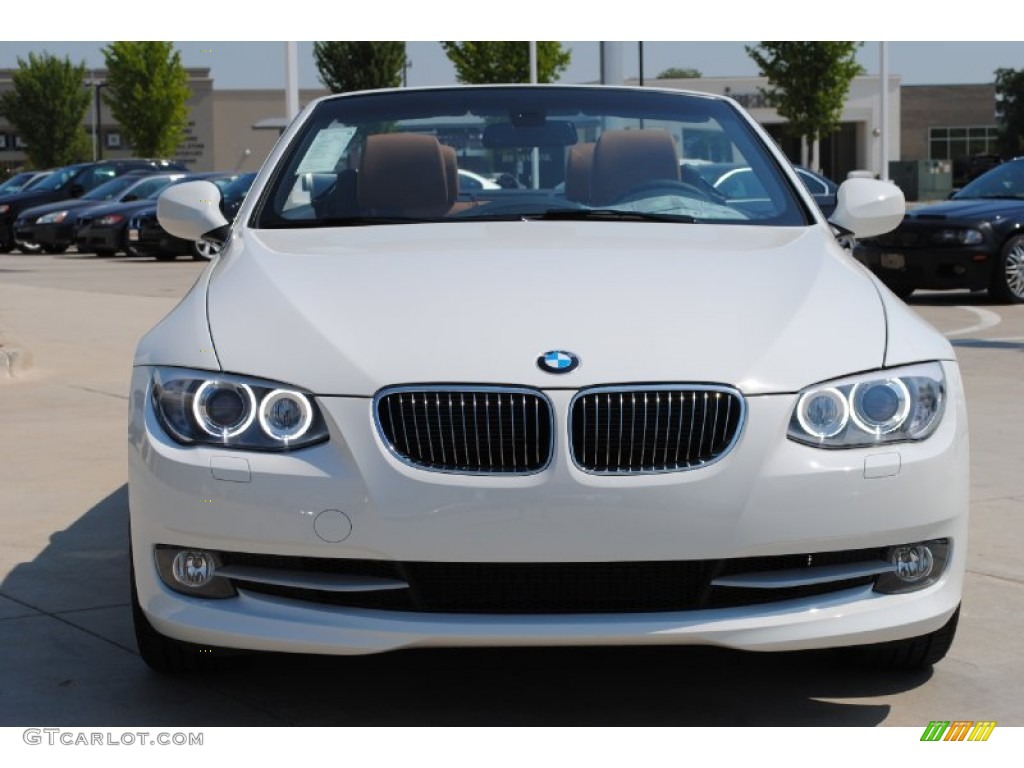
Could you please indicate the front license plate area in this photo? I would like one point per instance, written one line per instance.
(893, 261)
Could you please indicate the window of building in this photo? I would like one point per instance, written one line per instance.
(19, 144)
(113, 140)
(3, 141)
(950, 143)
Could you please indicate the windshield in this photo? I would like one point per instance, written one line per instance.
(150, 189)
(16, 182)
(1005, 181)
(58, 178)
(237, 187)
(531, 152)
(110, 189)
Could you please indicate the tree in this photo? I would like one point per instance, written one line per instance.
(147, 90)
(506, 62)
(808, 83)
(46, 106)
(1010, 111)
(345, 65)
(679, 73)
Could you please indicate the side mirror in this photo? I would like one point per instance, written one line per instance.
(77, 190)
(129, 198)
(191, 211)
(868, 207)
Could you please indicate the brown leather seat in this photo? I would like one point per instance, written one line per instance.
(403, 174)
(626, 159)
(579, 162)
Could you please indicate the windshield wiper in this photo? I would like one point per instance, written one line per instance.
(608, 214)
(348, 221)
(991, 197)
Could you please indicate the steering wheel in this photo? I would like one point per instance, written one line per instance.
(514, 207)
(671, 187)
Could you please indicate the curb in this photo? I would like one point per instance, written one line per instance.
(14, 361)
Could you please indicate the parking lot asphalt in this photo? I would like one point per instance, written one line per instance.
(68, 657)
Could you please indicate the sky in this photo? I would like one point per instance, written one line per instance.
(252, 56)
(244, 64)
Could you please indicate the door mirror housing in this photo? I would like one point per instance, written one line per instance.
(868, 207)
(191, 211)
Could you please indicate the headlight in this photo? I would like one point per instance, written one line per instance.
(52, 218)
(4, 208)
(957, 237)
(897, 405)
(109, 220)
(197, 407)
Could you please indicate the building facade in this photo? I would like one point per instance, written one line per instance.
(946, 123)
(220, 135)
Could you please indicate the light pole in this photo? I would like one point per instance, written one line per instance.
(97, 144)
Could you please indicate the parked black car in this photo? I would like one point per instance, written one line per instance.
(22, 181)
(736, 181)
(102, 230)
(65, 183)
(147, 238)
(974, 240)
(53, 226)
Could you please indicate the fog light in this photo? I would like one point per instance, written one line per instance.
(192, 568)
(913, 563)
(914, 566)
(192, 572)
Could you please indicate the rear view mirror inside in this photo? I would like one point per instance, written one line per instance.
(554, 133)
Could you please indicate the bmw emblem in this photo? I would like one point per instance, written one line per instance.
(558, 361)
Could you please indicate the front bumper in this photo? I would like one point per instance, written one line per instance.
(93, 239)
(932, 268)
(150, 239)
(52, 235)
(769, 496)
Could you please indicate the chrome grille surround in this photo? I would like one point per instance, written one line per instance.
(467, 429)
(669, 427)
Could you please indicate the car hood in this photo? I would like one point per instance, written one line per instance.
(349, 311)
(22, 200)
(970, 208)
(62, 205)
(125, 209)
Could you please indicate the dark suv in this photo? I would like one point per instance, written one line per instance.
(68, 182)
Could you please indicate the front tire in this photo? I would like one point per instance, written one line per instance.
(29, 248)
(897, 286)
(164, 654)
(1008, 275)
(912, 653)
(204, 250)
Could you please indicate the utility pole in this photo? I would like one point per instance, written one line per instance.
(535, 154)
(291, 82)
(883, 65)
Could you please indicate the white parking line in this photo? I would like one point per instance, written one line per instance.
(986, 320)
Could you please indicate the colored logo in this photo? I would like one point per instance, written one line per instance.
(958, 730)
(558, 361)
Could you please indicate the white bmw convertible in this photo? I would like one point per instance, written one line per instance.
(602, 404)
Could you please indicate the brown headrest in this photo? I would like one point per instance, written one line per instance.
(625, 159)
(451, 172)
(578, 166)
(403, 174)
